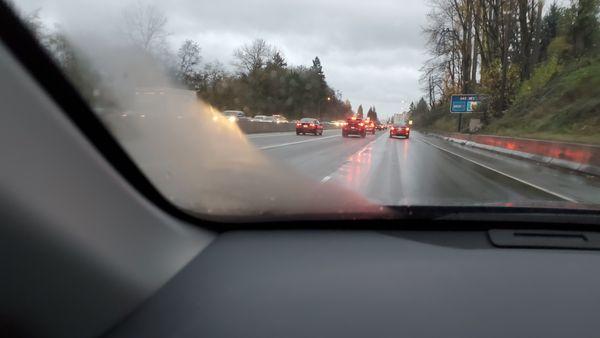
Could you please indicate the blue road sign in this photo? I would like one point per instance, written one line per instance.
(462, 104)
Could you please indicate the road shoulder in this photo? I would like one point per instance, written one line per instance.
(569, 184)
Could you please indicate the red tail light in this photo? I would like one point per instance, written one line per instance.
(361, 124)
(312, 124)
(298, 124)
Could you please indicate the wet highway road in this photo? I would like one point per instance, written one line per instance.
(424, 170)
(200, 160)
(313, 156)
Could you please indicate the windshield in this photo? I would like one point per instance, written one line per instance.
(500, 100)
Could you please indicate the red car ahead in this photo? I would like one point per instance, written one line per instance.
(355, 126)
(309, 126)
(403, 131)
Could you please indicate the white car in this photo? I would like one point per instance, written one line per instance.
(234, 115)
(263, 118)
(280, 119)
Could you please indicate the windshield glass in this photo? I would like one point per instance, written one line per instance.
(500, 100)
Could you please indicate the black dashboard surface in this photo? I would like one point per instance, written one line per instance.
(373, 284)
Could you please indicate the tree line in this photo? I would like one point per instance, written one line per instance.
(260, 81)
(502, 48)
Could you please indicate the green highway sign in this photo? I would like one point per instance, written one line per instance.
(462, 104)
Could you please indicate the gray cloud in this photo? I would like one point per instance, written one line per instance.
(371, 50)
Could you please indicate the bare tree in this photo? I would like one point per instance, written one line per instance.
(254, 56)
(443, 72)
(145, 27)
(490, 38)
(188, 58)
(213, 73)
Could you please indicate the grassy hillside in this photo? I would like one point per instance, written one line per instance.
(565, 107)
(559, 103)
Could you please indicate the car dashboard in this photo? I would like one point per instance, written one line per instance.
(373, 284)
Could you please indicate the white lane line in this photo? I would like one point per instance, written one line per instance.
(566, 198)
(347, 161)
(299, 142)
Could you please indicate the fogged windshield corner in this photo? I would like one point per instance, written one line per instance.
(289, 110)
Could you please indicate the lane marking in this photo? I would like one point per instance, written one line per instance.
(299, 142)
(550, 192)
(347, 161)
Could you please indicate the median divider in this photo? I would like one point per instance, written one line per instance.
(584, 158)
(251, 127)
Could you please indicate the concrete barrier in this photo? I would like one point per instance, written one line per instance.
(574, 156)
(249, 127)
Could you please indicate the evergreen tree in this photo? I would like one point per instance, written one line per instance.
(422, 107)
(372, 114)
(412, 108)
(277, 62)
(585, 29)
(317, 68)
(550, 28)
(359, 112)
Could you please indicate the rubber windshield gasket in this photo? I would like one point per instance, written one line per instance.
(34, 58)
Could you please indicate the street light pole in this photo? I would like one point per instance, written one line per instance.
(321, 100)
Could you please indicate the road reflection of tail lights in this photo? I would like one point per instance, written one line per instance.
(356, 170)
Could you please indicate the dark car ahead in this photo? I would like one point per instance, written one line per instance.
(400, 130)
(309, 126)
(355, 126)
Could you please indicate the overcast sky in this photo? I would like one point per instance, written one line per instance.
(371, 50)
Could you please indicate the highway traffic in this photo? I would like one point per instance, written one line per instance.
(198, 151)
(423, 170)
